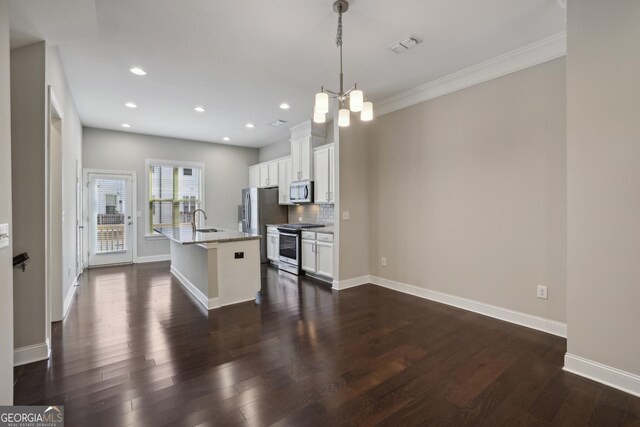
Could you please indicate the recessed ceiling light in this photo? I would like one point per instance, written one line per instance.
(126, 125)
(284, 106)
(250, 125)
(138, 71)
(130, 105)
(199, 109)
(226, 138)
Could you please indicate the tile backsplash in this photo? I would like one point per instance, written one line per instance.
(316, 214)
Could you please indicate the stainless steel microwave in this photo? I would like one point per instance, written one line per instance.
(301, 192)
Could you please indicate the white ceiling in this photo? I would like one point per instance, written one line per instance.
(241, 59)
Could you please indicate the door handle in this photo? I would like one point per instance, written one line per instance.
(81, 226)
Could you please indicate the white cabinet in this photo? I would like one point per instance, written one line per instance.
(273, 174)
(254, 176)
(273, 246)
(264, 175)
(301, 159)
(324, 174)
(284, 180)
(309, 255)
(324, 258)
(317, 254)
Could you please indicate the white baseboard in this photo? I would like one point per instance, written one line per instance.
(69, 298)
(607, 375)
(208, 303)
(341, 285)
(540, 323)
(31, 353)
(153, 258)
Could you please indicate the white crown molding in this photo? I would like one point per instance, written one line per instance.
(607, 375)
(31, 353)
(153, 258)
(341, 285)
(534, 322)
(69, 298)
(208, 303)
(536, 53)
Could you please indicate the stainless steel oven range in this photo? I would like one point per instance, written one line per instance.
(290, 251)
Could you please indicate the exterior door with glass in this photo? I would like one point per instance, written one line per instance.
(110, 220)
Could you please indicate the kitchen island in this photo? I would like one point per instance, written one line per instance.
(218, 267)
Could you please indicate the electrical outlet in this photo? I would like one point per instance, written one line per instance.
(4, 235)
(383, 261)
(299, 219)
(542, 292)
(345, 215)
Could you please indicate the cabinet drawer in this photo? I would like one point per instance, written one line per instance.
(324, 237)
(273, 230)
(309, 235)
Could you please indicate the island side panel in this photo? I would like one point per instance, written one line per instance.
(190, 265)
(238, 278)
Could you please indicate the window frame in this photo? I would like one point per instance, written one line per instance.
(148, 233)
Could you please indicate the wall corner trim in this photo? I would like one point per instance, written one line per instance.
(208, 303)
(153, 258)
(607, 375)
(341, 285)
(69, 298)
(534, 322)
(544, 50)
(31, 353)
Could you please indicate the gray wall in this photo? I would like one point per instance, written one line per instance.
(33, 69)
(603, 150)
(274, 151)
(28, 98)
(354, 181)
(226, 172)
(6, 270)
(71, 160)
(468, 192)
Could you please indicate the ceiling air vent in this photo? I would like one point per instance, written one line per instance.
(277, 123)
(405, 44)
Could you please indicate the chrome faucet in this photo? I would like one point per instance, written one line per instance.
(193, 218)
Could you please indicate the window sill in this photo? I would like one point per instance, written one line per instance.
(154, 237)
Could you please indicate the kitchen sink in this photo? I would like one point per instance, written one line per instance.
(207, 230)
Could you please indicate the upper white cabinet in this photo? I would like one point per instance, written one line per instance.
(254, 176)
(264, 175)
(284, 180)
(301, 161)
(273, 174)
(324, 174)
(304, 137)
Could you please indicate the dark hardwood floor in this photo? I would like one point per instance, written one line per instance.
(135, 349)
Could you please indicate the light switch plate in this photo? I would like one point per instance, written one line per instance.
(346, 215)
(4, 235)
(139, 214)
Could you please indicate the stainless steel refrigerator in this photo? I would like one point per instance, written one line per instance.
(259, 208)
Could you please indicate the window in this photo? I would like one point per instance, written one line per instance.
(175, 190)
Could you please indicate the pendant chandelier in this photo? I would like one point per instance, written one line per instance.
(355, 96)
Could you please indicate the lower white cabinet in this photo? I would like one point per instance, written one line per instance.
(317, 255)
(309, 255)
(273, 246)
(324, 258)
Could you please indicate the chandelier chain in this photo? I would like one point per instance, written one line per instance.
(339, 34)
